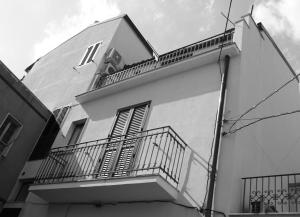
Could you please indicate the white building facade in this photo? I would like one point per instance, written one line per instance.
(136, 130)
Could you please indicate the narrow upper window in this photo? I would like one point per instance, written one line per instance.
(76, 133)
(60, 114)
(90, 54)
(9, 131)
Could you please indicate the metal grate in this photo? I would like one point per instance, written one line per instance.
(159, 151)
(168, 58)
(275, 193)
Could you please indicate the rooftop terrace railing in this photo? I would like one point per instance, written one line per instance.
(270, 194)
(167, 59)
(157, 151)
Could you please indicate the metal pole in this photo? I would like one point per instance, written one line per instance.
(217, 139)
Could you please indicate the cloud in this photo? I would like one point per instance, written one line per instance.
(169, 24)
(280, 17)
(158, 20)
(58, 32)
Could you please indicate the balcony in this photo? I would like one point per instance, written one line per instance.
(143, 166)
(168, 58)
(276, 194)
(182, 59)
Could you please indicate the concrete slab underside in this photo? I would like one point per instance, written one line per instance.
(106, 191)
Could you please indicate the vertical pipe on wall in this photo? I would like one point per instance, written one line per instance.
(217, 139)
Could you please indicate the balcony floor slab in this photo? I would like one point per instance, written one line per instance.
(147, 188)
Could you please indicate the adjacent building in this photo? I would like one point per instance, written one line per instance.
(22, 119)
(132, 131)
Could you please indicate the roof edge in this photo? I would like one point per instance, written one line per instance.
(139, 34)
(127, 19)
(261, 27)
(23, 92)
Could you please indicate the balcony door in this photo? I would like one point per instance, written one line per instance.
(117, 159)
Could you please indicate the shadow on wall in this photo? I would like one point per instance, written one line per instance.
(172, 89)
(194, 178)
(172, 100)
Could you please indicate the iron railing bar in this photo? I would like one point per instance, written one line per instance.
(287, 174)
(112, 137)
(80, 158)
(174, 160)
(150, 160)
(158, 148)
(171, 154)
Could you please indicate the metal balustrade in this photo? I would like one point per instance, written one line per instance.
(167, 59)
(269, 194)
(157, 151)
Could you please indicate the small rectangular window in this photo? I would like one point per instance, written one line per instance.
(90, 54)
(76, 133)
(87, 54)
(9, 131)
(93, 53)
(60, 114)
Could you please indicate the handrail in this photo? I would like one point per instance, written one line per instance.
(159, 151)
(271, 193)
(166, 59)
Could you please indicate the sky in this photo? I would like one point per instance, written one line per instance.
(31, 28)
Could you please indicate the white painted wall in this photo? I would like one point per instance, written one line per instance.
(271, 146)
(186, 101)
(53, 79)
(126, 210)
(128, 44)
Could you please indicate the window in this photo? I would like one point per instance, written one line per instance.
(90, 53)
(118, 157)
(60, 114)
(9, 131)
(77, 130)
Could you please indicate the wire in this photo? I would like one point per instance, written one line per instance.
(228, 19)
(226, 24)
(261, 119)
(242, 119)
(220, 71)
(215, 125)
(263, 100)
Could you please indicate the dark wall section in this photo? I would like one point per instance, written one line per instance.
(46, 140)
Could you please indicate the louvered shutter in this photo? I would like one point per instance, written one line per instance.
(126, 156)
(120, 124)
(111, 149)
(60, 114)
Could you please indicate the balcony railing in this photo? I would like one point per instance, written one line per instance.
(276, 193)
(168, 59)
(157, 151)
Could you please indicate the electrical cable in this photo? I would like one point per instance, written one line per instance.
(242, 119)
(263, 100)
(215, 126)
(226, 24)
(261, 119)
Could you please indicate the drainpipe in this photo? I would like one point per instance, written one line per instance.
(217, 139)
